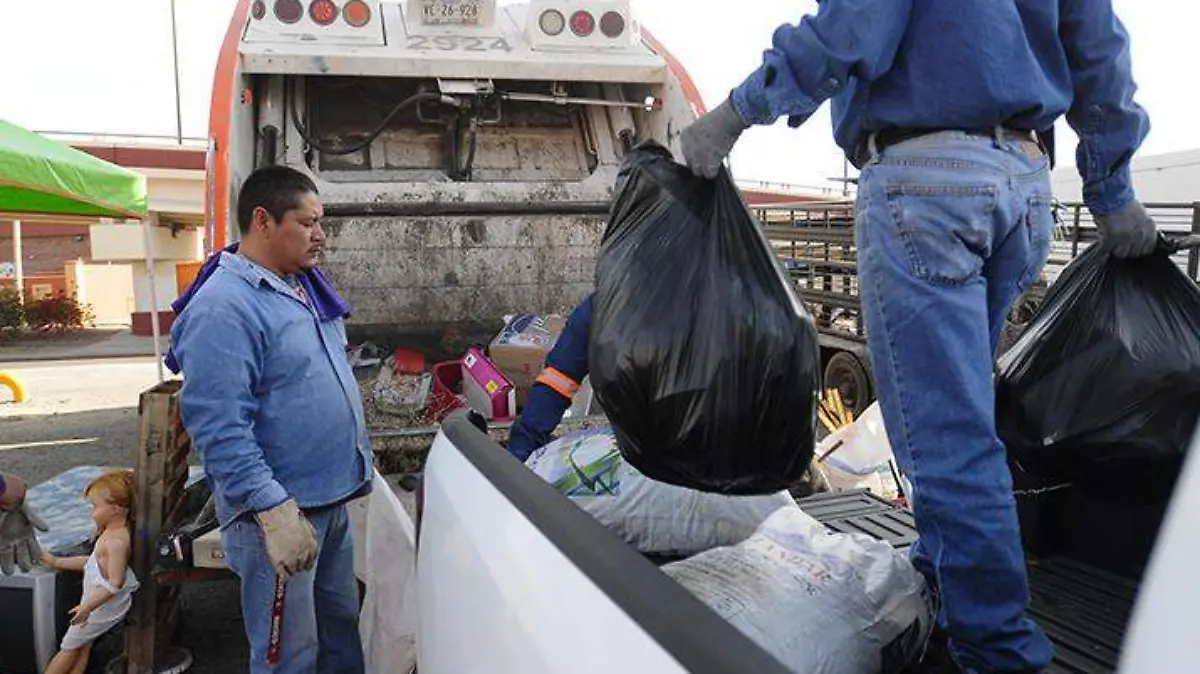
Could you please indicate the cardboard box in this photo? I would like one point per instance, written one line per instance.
(520, 350)
(487, 391)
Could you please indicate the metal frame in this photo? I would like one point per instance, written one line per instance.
(815, 243)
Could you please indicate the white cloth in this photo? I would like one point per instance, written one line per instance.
(388, 620)
(108, 614)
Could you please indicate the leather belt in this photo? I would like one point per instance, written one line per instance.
(894, 136)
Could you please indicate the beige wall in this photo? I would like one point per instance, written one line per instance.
(174, 191)
(126, 242)
(108, 288)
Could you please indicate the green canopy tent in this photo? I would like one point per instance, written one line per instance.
(41, 177)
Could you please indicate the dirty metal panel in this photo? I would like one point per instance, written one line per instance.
(424, 274)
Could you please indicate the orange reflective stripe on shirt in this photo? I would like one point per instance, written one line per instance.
(561, 383)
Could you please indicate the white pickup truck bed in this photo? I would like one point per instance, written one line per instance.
(504, 563)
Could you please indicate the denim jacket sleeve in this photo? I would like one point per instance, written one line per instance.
(1110, 125)
(810, 62)
(222, 362)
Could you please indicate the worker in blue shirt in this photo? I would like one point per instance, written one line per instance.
(940, 103)
(566, 367)
(272, 407)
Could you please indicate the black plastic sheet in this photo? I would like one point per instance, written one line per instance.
(700, 353)
(1103, 388)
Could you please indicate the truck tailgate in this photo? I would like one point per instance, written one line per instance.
(1084, 610)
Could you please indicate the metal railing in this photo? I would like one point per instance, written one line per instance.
(124, 139)
(815, 243)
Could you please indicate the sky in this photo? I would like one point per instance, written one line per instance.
(106, 67)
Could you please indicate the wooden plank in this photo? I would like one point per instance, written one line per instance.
(157, 460)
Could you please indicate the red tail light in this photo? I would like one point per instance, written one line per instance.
(583, 23)
(356, 13)
(323, 12)
(288, 11)
(612, 24)
(258, 10)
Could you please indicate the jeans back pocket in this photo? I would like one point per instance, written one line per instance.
(946, 229)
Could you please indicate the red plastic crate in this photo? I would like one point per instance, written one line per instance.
(447, 390)
(409, 362)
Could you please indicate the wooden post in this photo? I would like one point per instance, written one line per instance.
(161, 475)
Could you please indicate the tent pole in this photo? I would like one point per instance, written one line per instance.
(147, 233)
(18, 260)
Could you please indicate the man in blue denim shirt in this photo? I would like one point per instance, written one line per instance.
(271, 404)
(939, 102)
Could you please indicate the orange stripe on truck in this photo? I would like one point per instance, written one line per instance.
(690, 92)
(561, 383)
(219, 114)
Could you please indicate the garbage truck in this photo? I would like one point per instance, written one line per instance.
(465, 150)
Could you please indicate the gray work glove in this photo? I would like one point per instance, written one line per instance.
(18, 540)
(291, 539)
(1129, 232)
(708, 141)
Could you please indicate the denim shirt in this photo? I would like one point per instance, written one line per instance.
(961, 64)
(269, 398)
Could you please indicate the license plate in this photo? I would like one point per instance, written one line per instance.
(453, 12)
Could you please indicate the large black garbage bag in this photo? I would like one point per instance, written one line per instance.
(1103, 389)
(700, 353)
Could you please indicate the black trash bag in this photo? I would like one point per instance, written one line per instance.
(700, 353)
(1103, 389)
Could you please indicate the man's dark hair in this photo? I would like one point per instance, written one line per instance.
(275, 189)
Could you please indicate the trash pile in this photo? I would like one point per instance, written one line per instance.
(494, 382)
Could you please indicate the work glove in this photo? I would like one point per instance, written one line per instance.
(291, 539)
(1129, 232)
(708, 141)
(18, 538)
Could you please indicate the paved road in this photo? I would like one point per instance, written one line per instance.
(84, 413)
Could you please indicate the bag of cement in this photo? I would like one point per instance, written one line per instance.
(820, 602)
(654, 517)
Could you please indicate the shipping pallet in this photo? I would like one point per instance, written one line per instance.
(1084, 610)
(161, 473)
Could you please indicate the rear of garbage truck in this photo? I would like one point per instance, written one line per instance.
(465, 150)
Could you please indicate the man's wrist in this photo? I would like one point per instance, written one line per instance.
(268, 497)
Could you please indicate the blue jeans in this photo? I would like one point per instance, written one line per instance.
(951, 229)
(320, 614)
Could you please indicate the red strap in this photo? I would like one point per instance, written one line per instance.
(275, 636)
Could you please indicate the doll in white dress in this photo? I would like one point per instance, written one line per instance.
(108, 582)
